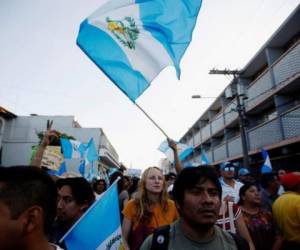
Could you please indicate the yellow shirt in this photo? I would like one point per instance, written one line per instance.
(286, 212)
(159, 217)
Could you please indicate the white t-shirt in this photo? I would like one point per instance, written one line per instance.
(231, 191)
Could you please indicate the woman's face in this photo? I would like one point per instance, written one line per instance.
(252, 195)
(154, 181)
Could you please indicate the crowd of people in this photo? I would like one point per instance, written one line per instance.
(192, 208)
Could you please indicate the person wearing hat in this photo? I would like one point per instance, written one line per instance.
(230, 186)
(245, 176)
(286, 211)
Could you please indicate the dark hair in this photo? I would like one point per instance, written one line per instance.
(81, 189)
(121, 183)
(114, 176)
(243, 190)
(98, 182)
(26, 186)
(266, 179)
(134, 185)
(189, 177)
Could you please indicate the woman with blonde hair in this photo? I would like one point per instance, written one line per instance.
(149, 210)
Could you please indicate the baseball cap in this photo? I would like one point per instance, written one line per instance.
(227, 164)
(290, 180)
(244, 171)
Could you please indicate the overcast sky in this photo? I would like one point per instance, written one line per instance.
(42, 71)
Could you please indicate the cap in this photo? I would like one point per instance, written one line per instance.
(227, 164)
(244, 171)
(290, 180)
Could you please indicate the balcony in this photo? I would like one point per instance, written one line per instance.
(287, 65)
(291, 123)
(258, 89)
(235, 146)
(197, 138)
(220, 152)
(205, 132)
(218, 123)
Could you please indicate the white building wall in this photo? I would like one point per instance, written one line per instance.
(20, 134)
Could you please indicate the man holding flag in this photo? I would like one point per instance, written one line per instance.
(100, 226)
(75, 196)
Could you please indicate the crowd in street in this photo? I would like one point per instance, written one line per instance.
(192, 208)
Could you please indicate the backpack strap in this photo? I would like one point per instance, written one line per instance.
(160, 240)
(240, 242)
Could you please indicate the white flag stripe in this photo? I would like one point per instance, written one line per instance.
(146, 46)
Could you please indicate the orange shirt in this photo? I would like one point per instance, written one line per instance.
(159, 217)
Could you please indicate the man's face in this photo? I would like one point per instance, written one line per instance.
(201, 205)
(68, 211)
(11, 230)
(228, 172)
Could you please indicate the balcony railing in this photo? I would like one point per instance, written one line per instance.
(265, 134)
(288, 64)
(205, 132)
(235, 146)
(258, 89)
(217, 123)
(220, 152)
(291, 123)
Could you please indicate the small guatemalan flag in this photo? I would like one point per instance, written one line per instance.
(99, 228)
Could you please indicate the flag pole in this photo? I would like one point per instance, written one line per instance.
(152, 120)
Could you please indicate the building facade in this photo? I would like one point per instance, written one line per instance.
(269, 90)
(19, 135)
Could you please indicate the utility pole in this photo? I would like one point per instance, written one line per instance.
(241, 112)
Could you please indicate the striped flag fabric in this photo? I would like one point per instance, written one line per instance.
(131, 41)
(72, 149)
(267, 166)
(99, 227)
(204, 158)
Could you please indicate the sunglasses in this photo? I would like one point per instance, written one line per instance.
(228, 169)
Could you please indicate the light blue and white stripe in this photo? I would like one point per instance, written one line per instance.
(267, 166)
(164, 32)
(72, 149)
(100, 227)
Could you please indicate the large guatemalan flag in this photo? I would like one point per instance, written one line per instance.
(132, 41)
(100, 226)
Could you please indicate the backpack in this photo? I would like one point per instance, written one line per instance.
(160, 240)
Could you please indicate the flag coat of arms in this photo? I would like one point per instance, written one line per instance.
(131, 41)
(100, 226)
